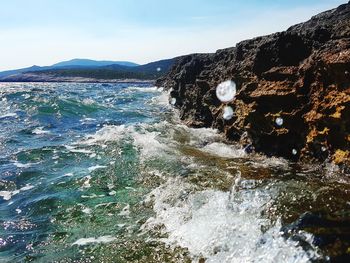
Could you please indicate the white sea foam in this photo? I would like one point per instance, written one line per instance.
(73, 149)
(86, 210)
(86, 183)
(24, 165)
(88, 101)
(26, 187)
(125, 211)
(92, 240)
(92, 196)
(7, 195)
(145, 141)
(26, 96)
(84, 151)
(96, 167)
(144, 89)
(112, 193)
(9, 115)
(130, 188)
(39, 131)
(202, 135)
(222, 226)
(162, 99)
(272, 162)
(224, 150)
(148, 144)
(87, 120)
(106, 134)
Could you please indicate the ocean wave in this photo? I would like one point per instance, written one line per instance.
(222, 226)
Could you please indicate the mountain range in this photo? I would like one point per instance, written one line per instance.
(88, 70)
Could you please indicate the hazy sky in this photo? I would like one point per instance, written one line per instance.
(43, 32)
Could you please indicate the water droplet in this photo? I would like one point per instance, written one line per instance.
(323, 148)
(279, 121)
(159, 69)
(173, 101)
(294, 152)
(226, 91)
(227, 113)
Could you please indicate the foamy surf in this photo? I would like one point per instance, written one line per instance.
(222, 226)
(224, 150)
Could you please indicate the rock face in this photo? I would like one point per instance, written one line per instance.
(301, 75)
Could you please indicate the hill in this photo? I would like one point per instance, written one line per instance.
(66, 71)
(74, 63)
(92, 63)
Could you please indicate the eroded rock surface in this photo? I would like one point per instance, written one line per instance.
(301, 75)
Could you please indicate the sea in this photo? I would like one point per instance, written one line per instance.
(93, 172)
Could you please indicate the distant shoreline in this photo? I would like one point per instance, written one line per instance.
(74, 80)
(71, 72)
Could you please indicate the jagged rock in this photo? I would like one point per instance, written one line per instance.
(300, 75)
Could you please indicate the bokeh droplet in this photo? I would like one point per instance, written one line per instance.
(226, 91)
(279, 121)
(227, 113)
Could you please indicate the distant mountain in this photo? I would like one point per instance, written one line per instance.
(92, 63)
(16, 71)
(67, 72)
(74, 63)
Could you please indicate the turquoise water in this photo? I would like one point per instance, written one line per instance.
(107, 173)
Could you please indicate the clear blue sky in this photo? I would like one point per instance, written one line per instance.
(43, 32)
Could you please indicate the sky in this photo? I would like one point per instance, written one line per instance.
(43, 32)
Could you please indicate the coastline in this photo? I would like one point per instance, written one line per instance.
(53, 79)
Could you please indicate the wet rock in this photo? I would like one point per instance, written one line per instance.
(300, 75)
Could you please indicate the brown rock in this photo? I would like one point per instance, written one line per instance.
(301, 75)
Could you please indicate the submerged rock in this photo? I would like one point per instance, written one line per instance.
(300, 76)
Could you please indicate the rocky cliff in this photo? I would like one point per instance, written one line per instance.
(300, 76)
